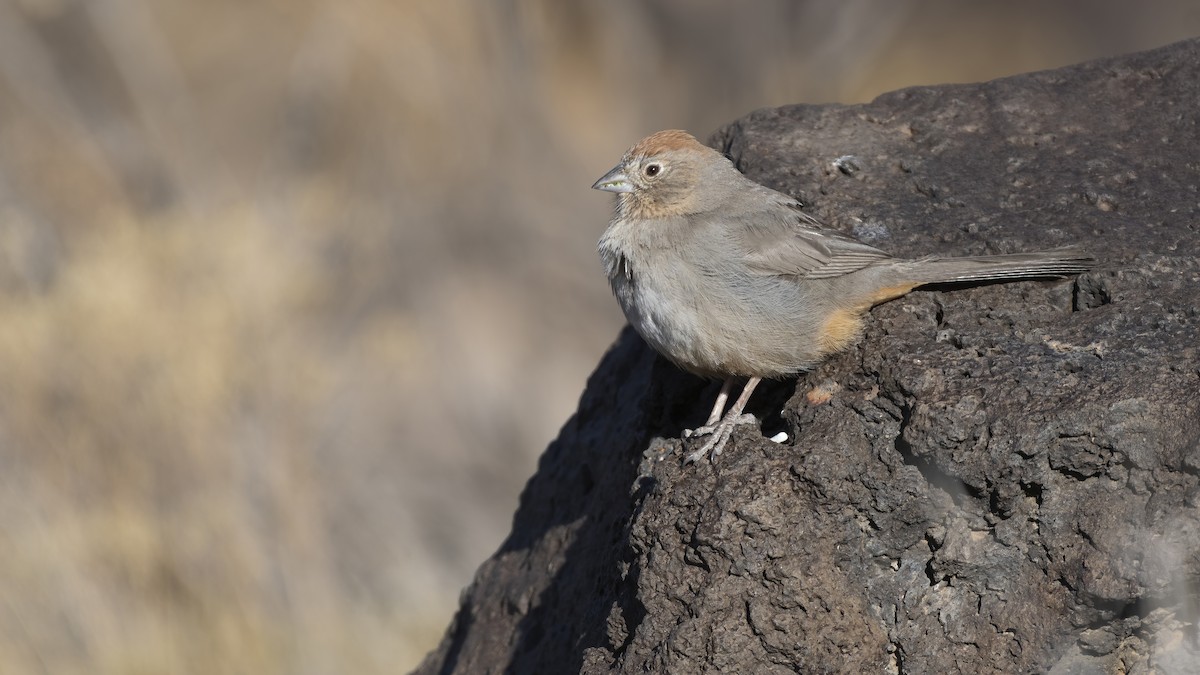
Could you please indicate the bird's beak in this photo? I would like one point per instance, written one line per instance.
(613, 181)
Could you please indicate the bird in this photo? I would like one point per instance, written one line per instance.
(730, 279)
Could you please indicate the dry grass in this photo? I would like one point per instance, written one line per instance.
(293, 293)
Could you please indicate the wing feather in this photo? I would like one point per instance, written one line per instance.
(783, 240)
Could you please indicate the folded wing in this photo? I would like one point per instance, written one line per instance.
(783, 240)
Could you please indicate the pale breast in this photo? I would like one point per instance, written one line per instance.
(717, 320)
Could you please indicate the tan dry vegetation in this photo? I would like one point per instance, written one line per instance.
(293, 293)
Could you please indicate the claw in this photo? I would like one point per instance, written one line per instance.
(720, 432)
(720, 436)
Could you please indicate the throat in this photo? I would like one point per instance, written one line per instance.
(664, 205)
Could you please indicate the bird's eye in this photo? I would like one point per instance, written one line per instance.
(651, 170)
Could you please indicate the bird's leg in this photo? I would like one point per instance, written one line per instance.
(715, 415)
(719, 406)
(721, 432)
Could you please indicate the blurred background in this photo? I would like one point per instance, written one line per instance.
(294, 292)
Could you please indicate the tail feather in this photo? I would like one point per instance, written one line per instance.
(1053, 263)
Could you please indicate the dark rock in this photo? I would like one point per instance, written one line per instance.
(1005, 479)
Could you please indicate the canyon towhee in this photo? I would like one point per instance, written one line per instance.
(730, 279)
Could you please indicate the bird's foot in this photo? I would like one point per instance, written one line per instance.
(719, 433)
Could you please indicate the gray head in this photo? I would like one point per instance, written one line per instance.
(669, 174)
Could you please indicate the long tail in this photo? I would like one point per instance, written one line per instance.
(1054, 263)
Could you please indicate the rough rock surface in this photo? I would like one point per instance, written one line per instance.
(998, 479)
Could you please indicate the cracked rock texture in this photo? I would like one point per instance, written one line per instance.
(997, 479)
